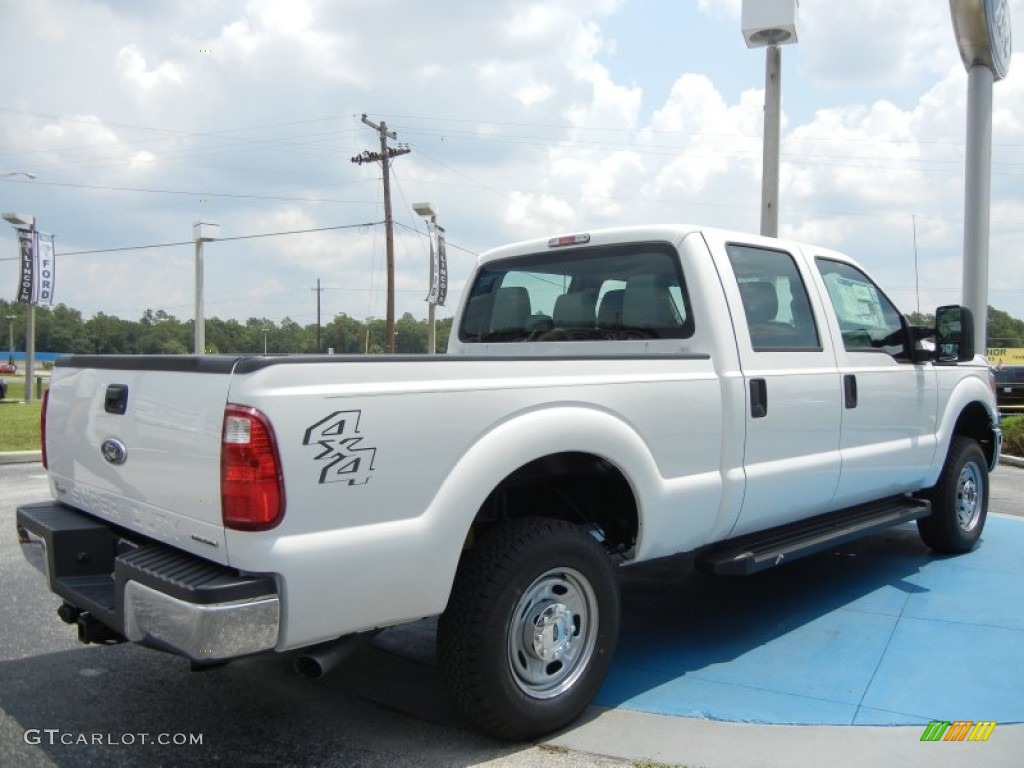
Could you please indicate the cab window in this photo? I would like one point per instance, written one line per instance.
(775, 302)
(867, 319)
(630, 291)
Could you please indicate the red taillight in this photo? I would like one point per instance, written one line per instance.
(42, 425)
(251, 486)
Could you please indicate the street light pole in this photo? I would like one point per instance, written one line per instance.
(772, 141)
(431, 328)
(10, 338)
(202, 231)
(769, 24)
(20, 220)
(427, 211)
(30, 337)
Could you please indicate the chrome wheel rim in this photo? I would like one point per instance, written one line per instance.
(969, 496)
(552, 633)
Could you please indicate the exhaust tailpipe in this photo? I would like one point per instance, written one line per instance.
(316, 661)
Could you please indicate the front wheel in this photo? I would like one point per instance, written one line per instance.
(959, 500)
(531, 627)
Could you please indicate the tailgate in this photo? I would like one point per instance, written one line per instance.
(136, 441)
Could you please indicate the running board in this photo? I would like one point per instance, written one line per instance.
(766, 549)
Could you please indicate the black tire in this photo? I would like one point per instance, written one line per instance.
(959, 500)
(530, 628)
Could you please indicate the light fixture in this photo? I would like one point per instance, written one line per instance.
(769, 22)
(427, 210)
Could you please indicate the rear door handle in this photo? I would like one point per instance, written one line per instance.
(850, 390)
(758, 398)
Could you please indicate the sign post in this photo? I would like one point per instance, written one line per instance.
(438, 291)
(36, 280)
(983, 35)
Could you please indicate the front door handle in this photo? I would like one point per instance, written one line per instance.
(850, 390)
(758, 398)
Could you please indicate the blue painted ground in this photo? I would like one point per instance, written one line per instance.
(880, 632)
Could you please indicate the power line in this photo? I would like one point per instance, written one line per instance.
(447, 243)
(222, 239)
(655, 131)
(196, 193)
(304, 231)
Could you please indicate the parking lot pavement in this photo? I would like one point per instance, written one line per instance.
(694, 641)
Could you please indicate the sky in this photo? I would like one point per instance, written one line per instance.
(523, 119)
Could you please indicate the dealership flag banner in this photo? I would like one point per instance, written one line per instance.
(46, 264)
(38, 274)
(438, 268)
(27, 273)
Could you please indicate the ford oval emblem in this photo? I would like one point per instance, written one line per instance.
(114, 451)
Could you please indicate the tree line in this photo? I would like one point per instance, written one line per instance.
(63, 329)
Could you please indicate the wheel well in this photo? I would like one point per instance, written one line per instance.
(577, 487)
(974, 422)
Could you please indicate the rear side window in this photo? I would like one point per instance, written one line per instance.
(631, 291)
(775, 302)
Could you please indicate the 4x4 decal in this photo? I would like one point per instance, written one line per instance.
(345, 459)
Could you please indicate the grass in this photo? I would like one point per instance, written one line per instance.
(1013, 435)
(19, 422)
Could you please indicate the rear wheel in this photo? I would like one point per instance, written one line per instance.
(531, 627)
(959, 500)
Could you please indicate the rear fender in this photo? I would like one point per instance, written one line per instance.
(517, 441)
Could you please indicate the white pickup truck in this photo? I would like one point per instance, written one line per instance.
(607, 398)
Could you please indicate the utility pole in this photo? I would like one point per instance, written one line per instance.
(318, 290)
(383, 157)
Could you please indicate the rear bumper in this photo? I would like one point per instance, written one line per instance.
(148, 593)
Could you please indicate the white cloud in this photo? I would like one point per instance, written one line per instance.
(524, 119)
(131, 65)
(720, 8)
(876, 36)
(274, 35)
(709, 136)
(534, 93)
(77, 142)
(534, 214)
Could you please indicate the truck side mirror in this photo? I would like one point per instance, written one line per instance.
(954, 334)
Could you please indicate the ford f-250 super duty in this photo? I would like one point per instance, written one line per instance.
(607, 398)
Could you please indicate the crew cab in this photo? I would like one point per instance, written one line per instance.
(607, 398)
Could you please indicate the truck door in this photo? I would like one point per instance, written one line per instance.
(791, 456)
(889, 403)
